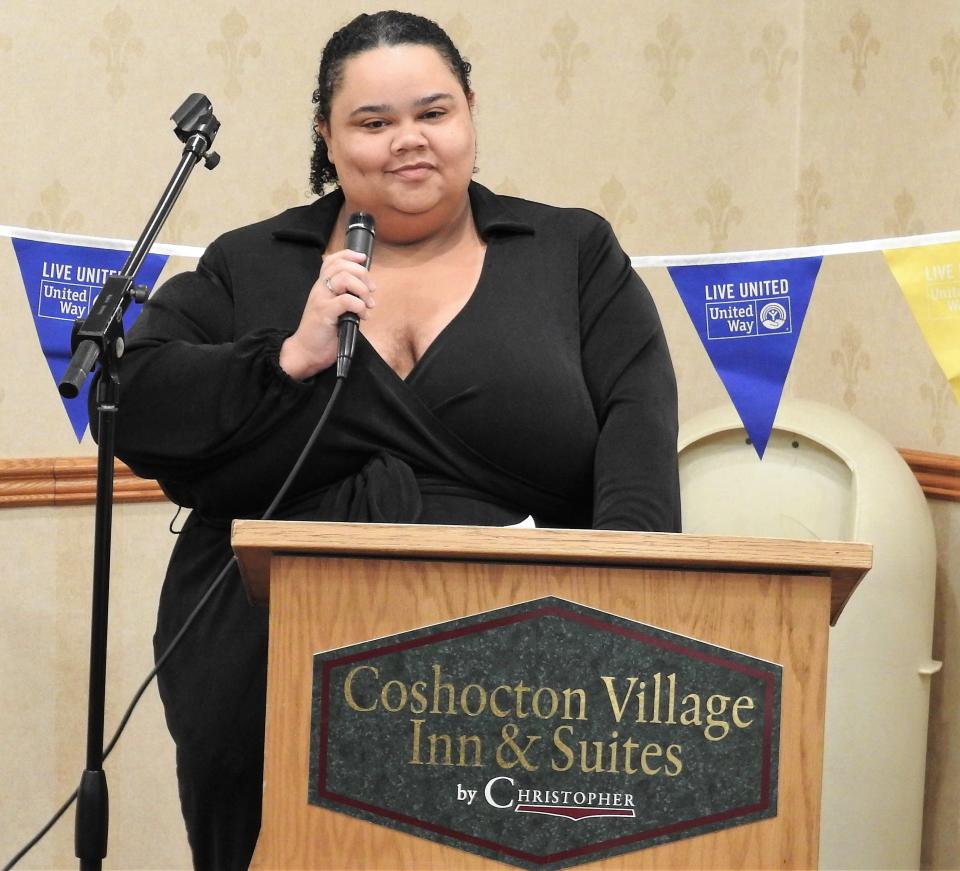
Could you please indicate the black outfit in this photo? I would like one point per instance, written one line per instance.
(550, 394)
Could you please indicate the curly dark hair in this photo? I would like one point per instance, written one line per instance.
(362, 34)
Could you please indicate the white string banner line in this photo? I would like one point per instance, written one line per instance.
(638, 262)
(97, 242)
(720, 257)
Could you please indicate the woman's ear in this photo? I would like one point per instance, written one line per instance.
(322, 127)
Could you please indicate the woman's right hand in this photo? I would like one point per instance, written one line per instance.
(343, 285)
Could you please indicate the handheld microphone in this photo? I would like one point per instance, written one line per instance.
(360, 233)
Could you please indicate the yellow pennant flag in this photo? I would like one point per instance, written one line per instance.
(929, 277)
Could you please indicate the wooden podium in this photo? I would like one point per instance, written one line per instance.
(329, 585)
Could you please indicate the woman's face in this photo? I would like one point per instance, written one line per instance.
(401, 133)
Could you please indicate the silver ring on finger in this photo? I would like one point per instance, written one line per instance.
(328, 285)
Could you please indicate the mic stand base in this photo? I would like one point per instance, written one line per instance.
(93, 813)
(90, 834)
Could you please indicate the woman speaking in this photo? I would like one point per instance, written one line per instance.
(510, 364)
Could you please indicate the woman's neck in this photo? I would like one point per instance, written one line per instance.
(408, 239)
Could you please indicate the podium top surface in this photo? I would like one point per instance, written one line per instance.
(255, 542)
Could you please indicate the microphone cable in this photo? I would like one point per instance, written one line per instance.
(214, 586)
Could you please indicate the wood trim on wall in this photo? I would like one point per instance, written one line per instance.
(67, 481)
(937, 474)
(73, 480)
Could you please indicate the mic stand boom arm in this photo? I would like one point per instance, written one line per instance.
(99, 339)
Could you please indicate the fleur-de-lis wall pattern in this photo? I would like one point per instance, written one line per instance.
(669, 54)
(565, 50)
(718, 214)
(904, 221)
(850, 361)
(859, 44)
(937, 394)
(117, 45)
(615, 203)
(234, 50)
(55, 212)
(774, 56)
(812, 201)
(946, 67)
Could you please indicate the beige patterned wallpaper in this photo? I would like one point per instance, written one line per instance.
(693, 125)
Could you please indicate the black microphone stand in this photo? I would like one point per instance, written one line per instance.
(99, 339)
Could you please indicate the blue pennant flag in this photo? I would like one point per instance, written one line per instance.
(749, 317)
(61, 283)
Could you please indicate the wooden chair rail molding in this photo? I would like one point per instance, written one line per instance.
(67, 481)
(73, 480)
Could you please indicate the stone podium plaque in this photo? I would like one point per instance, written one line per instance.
(545, 734)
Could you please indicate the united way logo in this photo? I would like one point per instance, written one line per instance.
(736, 312)
(773, 316)
(545, 735)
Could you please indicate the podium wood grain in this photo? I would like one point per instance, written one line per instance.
(327, 601)
(255, 541)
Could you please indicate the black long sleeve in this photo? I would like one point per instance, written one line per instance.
(631, 381)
